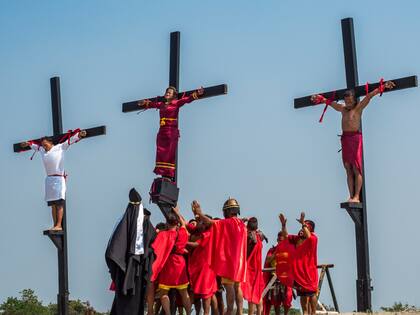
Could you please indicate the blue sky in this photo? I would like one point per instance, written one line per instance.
(250, 144)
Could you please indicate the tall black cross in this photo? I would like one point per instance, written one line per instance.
(59, 238)
(174, 59)
(357, 211)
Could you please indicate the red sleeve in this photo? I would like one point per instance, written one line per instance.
(184, 100)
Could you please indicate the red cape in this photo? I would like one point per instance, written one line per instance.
(253, 287)
(169, 267)
(305, 265)
(227, 255)
(202, 277)
(285, 254)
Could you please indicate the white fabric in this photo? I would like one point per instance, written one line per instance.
(139, 248)
(55, 186)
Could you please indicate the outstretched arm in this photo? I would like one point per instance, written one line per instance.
(188, 99)
(318, 99)
(179, 215)
(146, 104)
(73, 139)
(30, 144)
(389, 85)
(196, 209)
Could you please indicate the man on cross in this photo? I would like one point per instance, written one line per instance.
(55, 182)
(168, 135)
(351, 139)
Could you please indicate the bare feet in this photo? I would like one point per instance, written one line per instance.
(57, 228)
(354, 199)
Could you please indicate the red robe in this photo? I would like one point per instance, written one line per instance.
(253, 286)
(352, 148)
(168, 135)
(285, 254)
(169, 268)
(227, 254)
(305, 264)
(202, 277)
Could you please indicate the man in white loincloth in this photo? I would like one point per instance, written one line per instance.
(55, 182)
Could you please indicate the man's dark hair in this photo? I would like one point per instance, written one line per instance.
(46, 138)
(311, 223)
(172, 218)
(161, 226)
(252, 224)
(349, 92)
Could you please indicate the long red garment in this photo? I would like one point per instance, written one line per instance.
(285, 254)
(352, 148)
(253, 286)
(168, 135)
(305, 264)
(227, 254)
(169, 268)
(202, 277)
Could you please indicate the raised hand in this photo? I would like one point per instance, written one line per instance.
(176, 209)
(24, 144)
(301, 220)
(283, 219)
(317, 98)
(196, 208)
(82, 133)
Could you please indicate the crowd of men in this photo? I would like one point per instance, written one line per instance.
(212, 263)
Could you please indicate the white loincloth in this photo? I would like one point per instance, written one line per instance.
(55, 188)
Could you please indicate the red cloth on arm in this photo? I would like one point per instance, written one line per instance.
(305, 264)
(253, 286)
(170, 268)
(202, 277)
(227, 254)
(285, 254)
(352, 148)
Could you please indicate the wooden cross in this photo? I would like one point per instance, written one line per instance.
(174, 81)
(59, 238)
(357, 211)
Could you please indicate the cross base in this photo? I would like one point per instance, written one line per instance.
(354, 209)
(57, 237)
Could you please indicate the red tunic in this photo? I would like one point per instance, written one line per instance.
(228, 249)
(352, 148)
(253, 286)
(285, 254)
(305, 264)
(169, 268)
(167, 137)
(202, 277)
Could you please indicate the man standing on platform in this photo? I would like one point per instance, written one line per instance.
(228, 246)
(53, 160)
(351, 139)
(168, 135)
(305, 263)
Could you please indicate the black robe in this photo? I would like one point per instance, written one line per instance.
(129, 272)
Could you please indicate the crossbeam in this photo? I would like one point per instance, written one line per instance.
(208, 92)
(90, 132)
(400, 84)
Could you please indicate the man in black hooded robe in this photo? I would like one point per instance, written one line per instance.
(129, 257)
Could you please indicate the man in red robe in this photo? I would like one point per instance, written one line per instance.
(227, 254)
(168, 135)
(253, 286)
(169, 270)
(305, 263)
(280, 257)
(202, 277)
(351, 140)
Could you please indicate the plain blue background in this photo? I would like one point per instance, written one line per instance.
(250, 144)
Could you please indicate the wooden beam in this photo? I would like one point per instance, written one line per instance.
(401, 83)
(90, 132)
(208, 92)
